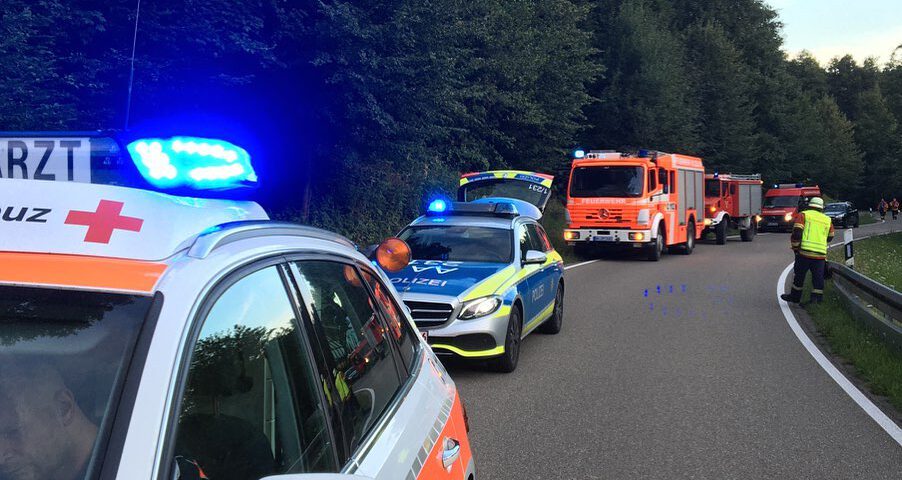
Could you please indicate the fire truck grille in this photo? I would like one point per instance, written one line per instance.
(611, 217)
(429, 314)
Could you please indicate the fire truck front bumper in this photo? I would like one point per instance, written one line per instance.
(607, 236)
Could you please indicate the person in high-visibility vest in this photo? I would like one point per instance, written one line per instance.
(811, 234)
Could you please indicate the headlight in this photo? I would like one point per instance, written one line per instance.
(480, 307)
(787, 217)
(569, 235)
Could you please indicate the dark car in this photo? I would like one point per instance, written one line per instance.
(843, 214)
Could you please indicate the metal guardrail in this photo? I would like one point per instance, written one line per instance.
(875, 305)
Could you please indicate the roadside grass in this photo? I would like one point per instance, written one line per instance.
(878, 365)
(879, 258)
(867, 218)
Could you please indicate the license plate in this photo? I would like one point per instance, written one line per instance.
(46, 158)
(771, 224)
(603, 238)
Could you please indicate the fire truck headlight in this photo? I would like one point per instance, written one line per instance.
(571, 235)
(637, 236)
(708, 221)
(643, 217)
(788, 217)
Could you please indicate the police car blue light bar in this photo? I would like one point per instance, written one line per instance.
(438, 205)
(579, 153)
(189, 162)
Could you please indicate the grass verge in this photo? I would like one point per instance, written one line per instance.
(878, 365)
(879, 258)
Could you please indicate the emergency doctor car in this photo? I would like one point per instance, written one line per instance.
(150, 336)
(484, 274)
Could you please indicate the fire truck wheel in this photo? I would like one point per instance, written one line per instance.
(552, 326)
(657, 247)
(720, 232)
(748, 234)
(507, 362)
(686, 248)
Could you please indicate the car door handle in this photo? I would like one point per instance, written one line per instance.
(451, 452)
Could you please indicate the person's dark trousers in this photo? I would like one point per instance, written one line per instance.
(801, 268)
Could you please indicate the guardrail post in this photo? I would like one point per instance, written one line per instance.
(849, 248)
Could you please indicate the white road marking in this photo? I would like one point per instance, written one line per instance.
(853, 392)
(580, 264)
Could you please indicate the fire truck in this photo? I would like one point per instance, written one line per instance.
(732, 201)
(644, 201)
(782, 202)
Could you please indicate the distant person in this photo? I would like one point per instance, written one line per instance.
(44, 435)
(894, 205)
(882, 207)
(811, 234)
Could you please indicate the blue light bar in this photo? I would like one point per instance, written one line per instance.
(439, 205)
(579, 153)
(189, 162)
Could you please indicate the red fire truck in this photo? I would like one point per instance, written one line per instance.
(649, 201)
(732, 201)
(782, 202)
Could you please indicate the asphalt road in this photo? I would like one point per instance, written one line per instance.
(704, 380)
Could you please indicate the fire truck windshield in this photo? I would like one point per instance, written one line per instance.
(460, 243)
(783, 201)
(712, 188)
(606, 181)
(63, 355)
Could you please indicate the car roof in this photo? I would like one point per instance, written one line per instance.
(101, 237)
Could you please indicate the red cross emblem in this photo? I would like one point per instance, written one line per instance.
(104, 221)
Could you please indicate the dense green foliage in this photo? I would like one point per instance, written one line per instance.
(359, 110)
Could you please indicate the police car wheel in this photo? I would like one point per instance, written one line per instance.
(552, 326)
(507, 362)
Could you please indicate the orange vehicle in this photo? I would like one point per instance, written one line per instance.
(648, 200)
(732, 201)
(782, 202)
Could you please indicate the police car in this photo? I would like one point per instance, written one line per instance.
(484, 274)
(146, 335)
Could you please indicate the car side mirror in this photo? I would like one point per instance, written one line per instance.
(534, 257)
(315, 476)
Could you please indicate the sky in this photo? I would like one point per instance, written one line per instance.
(831, 28)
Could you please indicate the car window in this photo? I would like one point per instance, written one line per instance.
(545, 241)
(358, 351)
(251, 405)
(535, 240)
(401, 331)
(63, 356)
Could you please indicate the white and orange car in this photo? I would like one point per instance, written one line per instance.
(151, 336)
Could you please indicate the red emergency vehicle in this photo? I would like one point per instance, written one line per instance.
(781, 204)
(732, 200)
(648, 200)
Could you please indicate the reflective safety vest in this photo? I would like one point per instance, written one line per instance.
(817, 229)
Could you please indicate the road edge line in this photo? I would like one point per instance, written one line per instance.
(580, 264)
(886, 423)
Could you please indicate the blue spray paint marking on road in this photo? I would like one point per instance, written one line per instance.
(646, 293)
(683, 288)
(659, 289)
(651, 307)
(670, 289)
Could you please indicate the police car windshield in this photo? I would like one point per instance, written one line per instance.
(63, 356)
(603, 181)
(460, 243)
(516, 189)
(781, 201)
